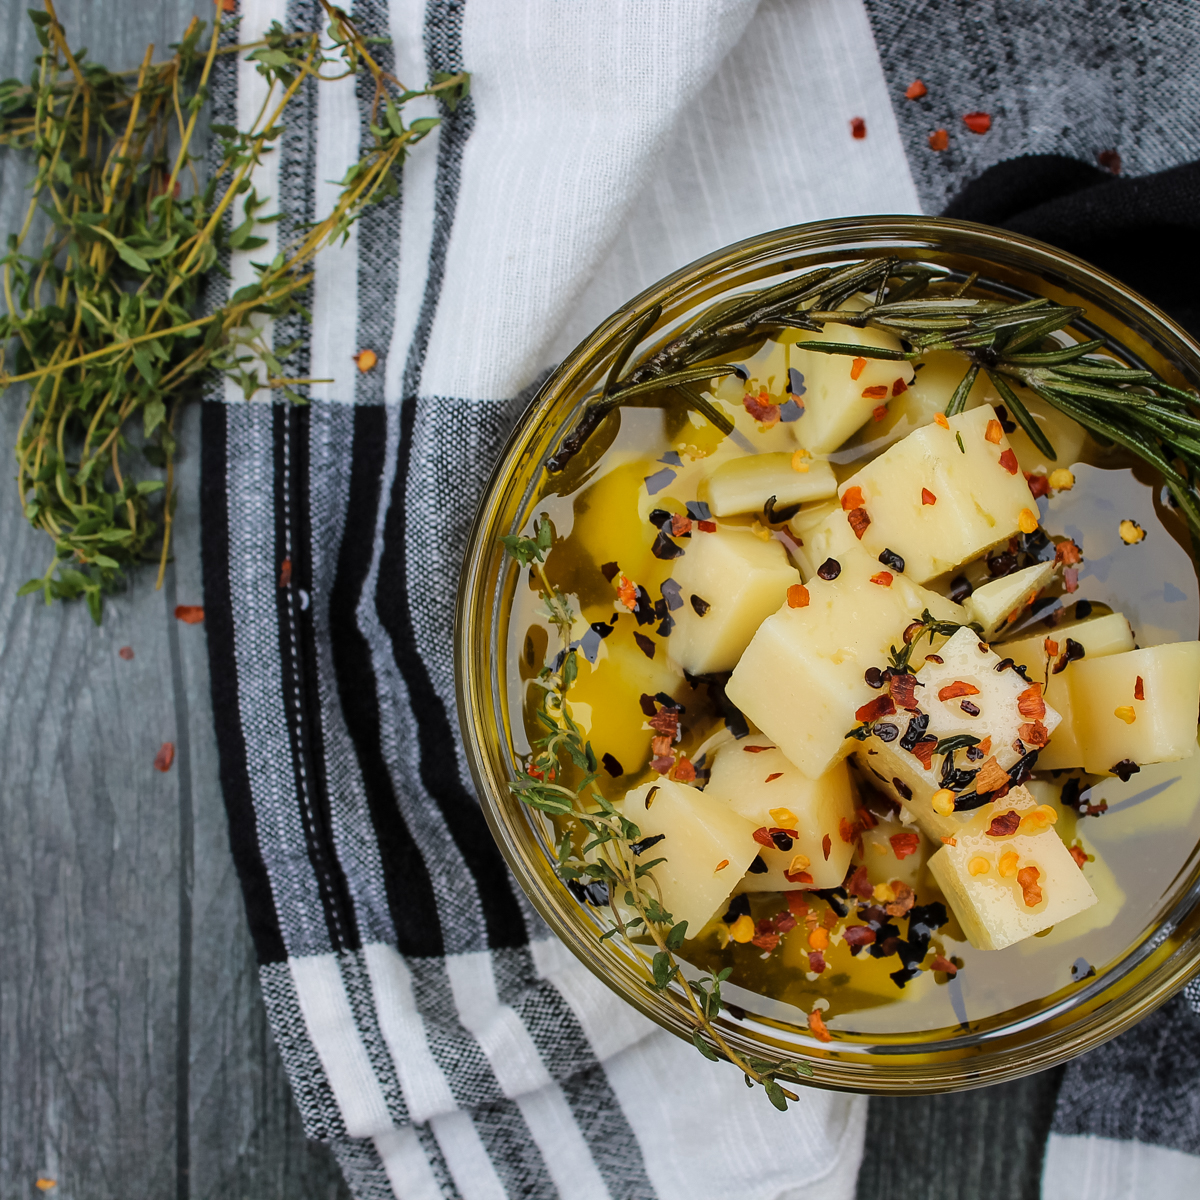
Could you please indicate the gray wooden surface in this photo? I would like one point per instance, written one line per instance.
(135, 1059)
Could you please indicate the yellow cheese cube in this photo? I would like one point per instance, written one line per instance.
(744, 485)
(765, 788)
(1097, 637)
(840, 393)
(707, 846)
(990, 709)
(940, 496)
(801, 678)
(730, 581)
(1005, 886)
(1114, 725)
(991, 605)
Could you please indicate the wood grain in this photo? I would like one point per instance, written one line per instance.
(135, 1058)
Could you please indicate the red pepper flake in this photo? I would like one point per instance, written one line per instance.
(883, 578)
(1034, 734)
(797, 904)
(627, 593)
(1008, 460)
(1071, 579)
(721, 865)
(666, 720)
(165, 756)
(859, 885)
(903, 689)
(879, 412)
(992, 776)
(785, 922)
(1028, 878)
(866, 818)
(1039, 485)
(662, 763)
(680, 524)
(978, 122)
(765, 937)
(1005, 825)
(1067, 553)
(817, 1024)
(285, 573)
(858, 935)
(661, 745)
(927, 497)
(189, 614)
(684, 771)
(852, 498)
(941, 963)
(762, 835)
(645, 645)
(707, 526)
(923, 752)
(904, 844)
(858, 128)
(1051, 647)
(126, 652)
(959, 687)
(879, 392)
(859, 520)
(1110, 160)
(826, 846)
(939, 139)
(797, 876)
(915, 90)
(761, 408)
(1079, 855)
(899, 387)
(1139, 689)
(994, 432)
(365, 360)
(816, 961)
(881, 706)
(905, 899)
(1030, 702)
(797, 596)
(949, 841)
(773, 775)
(857, 366)
(756, 749)
(847, 830)
(986, 744)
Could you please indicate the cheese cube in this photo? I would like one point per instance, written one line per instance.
(761, 785)
(1005, 886)
(1114, 725)
(1097, 637)
(991, 605)
(801, 678)
(980, 701)
(707, 846)
(840, 392)
(744, 485)
(731, 581)
(936, 503)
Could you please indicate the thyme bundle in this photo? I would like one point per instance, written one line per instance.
(607, 870)
(1007, 341)
(105, 316)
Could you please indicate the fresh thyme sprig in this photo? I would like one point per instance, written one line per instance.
(606, 870)
(1008, 341)
(928, 626)
(105, 316)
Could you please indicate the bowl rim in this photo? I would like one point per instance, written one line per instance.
(1171, 954)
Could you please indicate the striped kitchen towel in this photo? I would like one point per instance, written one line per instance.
(432, 1030)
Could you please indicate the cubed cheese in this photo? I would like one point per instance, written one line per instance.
(842, 392)
(744, 485)
(938, 497)
(993, 604)
(730, 582)
(759, 783)
(1095, 637)
(1005, 886)
(1114, 724)
(980, 701)
(707, 847)
(801, 678)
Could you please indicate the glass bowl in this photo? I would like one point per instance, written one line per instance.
(1007, 1045)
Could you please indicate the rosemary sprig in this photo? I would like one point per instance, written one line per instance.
(1009, 341)
(606, 870)
(105, 315)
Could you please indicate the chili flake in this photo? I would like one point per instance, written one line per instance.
(927, 497)
(1067, 553)
(1078, 853)
(883, 578)
(857, 884)
(857, 366)
(1139, 689)
(1028, 878)
(627, 593)
(762, 835)
(994, 432)
(1030, 702)
(818, 939)
(858, 128)
(1005, 825)
(680, 524)
(941, 963)
(978, 122)
(817, 1024)
(189, 614)
(684, 771)
(991, 776)
(1008, 460)
(797, 596)
(959, 687)
(721, 865)
(847, 830)
(1110, 160)
(1039, 485)
(879, 412)
(826, 846)
(365, 360)
(1131, 533)
(1071, 579)
(126, 652)
(165, 757)
(949, 841)
(852, 498)
(904, 844)
(707, 526)
(756, 749)
(915, 90)
(1126, 713)
(1034, 734)
(797, 876)
(940, 419)
(742, 930)
(774, 775)
(859, 520)
(942, 802)
(923, 750)
(979, 865)
(800, 461)
(903, 689)
(939, 139)
(1027, 522)
(877, 392)
(1062, 479)
(881, 706)
(761, 408)
(899, 387)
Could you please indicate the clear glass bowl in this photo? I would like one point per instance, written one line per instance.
(1002, 1047)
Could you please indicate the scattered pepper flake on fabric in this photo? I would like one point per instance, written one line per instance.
(126, 652)
(915, 90)
(285, 573)
(364, 360)
(858, 128)
(1131, 533)
(1110, 160)
(939, 139)
(189, 614)
(165, 757)
(977, 122)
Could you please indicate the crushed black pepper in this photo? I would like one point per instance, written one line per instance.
(612, 766)
(892, 560)
(701, 606)
(830, 569)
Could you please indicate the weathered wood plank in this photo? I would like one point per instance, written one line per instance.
(120, 913)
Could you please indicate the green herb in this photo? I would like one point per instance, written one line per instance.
(105, 315)
(928, 626)
(960, 741)
(558, 780)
